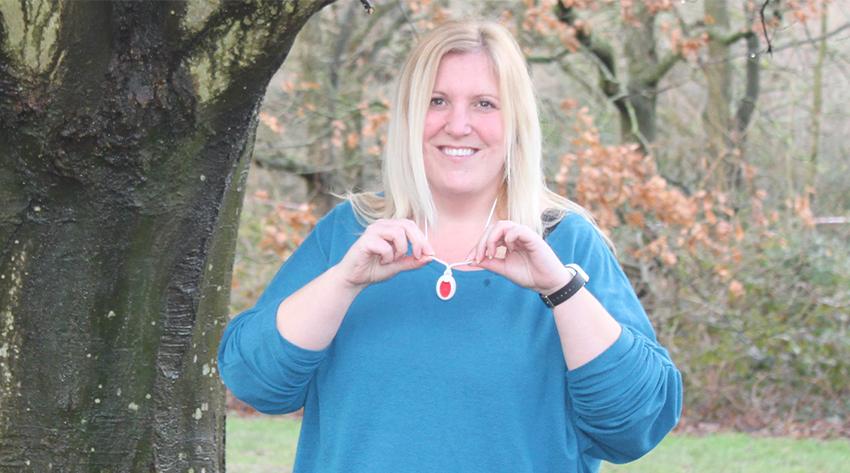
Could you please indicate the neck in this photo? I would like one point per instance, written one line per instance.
(457, 232)
(474, 218)
(465, 210)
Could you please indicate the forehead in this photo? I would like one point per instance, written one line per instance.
(466, 69)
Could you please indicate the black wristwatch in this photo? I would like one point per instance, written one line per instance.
(578, 281)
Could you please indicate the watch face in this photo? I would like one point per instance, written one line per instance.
(578, 270)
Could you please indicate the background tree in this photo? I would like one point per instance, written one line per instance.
(125, 137)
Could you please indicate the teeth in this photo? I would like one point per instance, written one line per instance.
(458, 151)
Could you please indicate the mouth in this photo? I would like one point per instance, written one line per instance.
(457, 152)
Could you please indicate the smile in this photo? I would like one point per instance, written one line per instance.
(458, 152)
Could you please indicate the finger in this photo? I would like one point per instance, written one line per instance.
(497, 237)
(409, 262)
(411, 233)
(419, 245)
(487, 243)
(393, 234)
(512, 238)
(520, 237)
(382, 249)
(496, 265)
(476, 254)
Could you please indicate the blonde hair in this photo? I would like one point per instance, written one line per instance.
(524, 194)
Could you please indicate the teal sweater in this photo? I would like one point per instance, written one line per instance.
(412, 383)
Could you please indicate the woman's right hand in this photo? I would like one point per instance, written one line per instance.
(381, 252)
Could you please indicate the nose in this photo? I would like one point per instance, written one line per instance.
(458, 122)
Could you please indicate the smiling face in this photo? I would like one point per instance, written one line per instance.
(464, 142)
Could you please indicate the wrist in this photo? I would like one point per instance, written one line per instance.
(563, 293)
(340, 279)
(565, 275)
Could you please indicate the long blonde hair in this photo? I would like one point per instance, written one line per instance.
(524, 194)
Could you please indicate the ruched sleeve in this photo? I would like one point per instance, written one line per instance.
(629, 397)
(626, 399)
(256, 363)
(262, 368)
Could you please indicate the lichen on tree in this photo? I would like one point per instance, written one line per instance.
(127, 127)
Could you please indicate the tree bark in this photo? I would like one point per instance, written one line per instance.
(817, 108)
(126, 130)
(717, 116)
(726, 134)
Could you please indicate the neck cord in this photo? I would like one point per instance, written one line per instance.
(446, 285)
(452, 265)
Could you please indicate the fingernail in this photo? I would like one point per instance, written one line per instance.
(429, 251)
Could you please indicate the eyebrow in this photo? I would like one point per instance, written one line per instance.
(478, 96)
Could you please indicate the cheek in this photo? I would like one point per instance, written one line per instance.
(433, 124)
(492, 128)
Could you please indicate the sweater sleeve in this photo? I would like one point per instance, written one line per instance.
(630, 396)
(257, 364)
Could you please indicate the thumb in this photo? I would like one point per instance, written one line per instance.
(496, 265)
(409, 262)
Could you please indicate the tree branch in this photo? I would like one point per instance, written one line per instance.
(659, 70)
(813, 40)
(748, 102)
(602, 50)
(368, 6)
(215, 26)
(728, 37)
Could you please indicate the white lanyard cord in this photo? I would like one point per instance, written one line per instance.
(452, 265)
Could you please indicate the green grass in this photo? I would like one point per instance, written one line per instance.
(261, 444)
(267, 444)
(741, 453)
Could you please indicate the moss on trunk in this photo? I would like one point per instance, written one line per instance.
(127, 129)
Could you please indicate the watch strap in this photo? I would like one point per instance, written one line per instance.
(569, 290)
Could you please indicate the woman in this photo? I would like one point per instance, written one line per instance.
(433, 327)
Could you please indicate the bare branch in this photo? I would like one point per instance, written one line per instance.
(812, 40)
(726, 38)
(656, 73)
(368, 6)
(764, 26)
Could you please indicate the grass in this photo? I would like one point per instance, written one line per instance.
(741, 453)
(260, 444)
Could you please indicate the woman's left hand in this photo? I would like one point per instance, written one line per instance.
(528, 261)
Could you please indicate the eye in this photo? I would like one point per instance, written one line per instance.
(437, 101)
(486, 104)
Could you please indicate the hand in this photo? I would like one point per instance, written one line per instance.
(381, 252)
(529, 261)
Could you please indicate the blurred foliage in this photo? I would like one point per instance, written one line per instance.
(750, 294)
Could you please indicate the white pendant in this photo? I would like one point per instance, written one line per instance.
(446, 287)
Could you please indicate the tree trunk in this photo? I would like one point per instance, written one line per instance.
(717, 116)
(817, 107)
(126, 131)
(637, 124)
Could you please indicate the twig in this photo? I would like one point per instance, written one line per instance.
(368, 6)
(407, 19)
(764, 27)
(823, 300)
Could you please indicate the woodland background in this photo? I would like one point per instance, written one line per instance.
(706, 136)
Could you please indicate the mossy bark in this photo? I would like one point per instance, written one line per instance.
(126, 133)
